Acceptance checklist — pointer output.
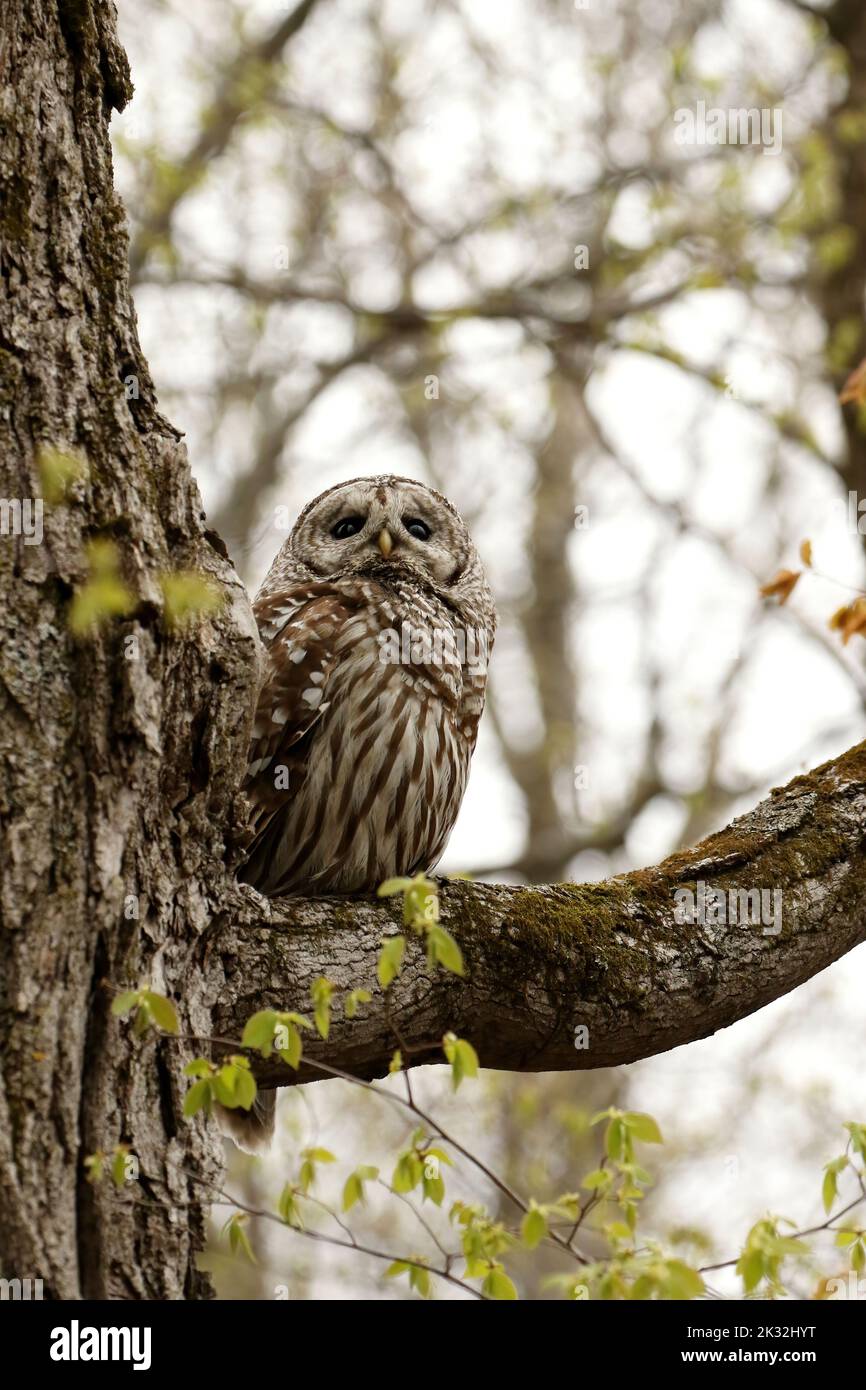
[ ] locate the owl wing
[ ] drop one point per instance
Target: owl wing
(476, 658)
(301, 628)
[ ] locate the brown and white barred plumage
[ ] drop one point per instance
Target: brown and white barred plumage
(358, 762)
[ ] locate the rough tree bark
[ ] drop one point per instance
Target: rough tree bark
(117, 773)
(120, 762)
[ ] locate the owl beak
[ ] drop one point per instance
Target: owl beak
(386, 544)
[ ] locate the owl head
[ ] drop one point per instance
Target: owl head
(389, 528)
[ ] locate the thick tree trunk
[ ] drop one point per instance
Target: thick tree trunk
(120, 755)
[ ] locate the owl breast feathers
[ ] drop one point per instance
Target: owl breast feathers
(378, 625)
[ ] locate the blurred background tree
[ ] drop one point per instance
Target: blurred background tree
(461, 241)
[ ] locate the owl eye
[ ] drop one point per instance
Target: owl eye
(419, 529)
(349, 526)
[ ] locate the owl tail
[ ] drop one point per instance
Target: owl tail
(252, 1130)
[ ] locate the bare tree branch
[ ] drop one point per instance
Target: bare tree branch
(231, 103)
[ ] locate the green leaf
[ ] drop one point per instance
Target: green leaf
(95, 1167)
(118, 1165)
(420, 900)
(124, 1002)
(440, 1154)
(419, 1279)
(442, 948)
(642, 1127)
(198, 1097)
(188, 595)
(58, 470)
(615, 1139)
(163, 1011)
(288, 1208)
(750, 1268)
(224, 1083)
(567, 1206)
(230, 1086)
(534, 1228)
(354, 1189)
(353, 999)
(498, 1285)
(198, 1067)
(603, 1115)
(408, 1173)
(308, 1168)
(259, 1031)
(858, 1137)
(239, 1241)
(462, 1056)
(787, 1245)
(419, 1276)
(245, 1090)
(299, 1020)
(830, 1185)
(390, 959)
(103, 595)
(322, 991)
(142, 1019)
(291, 1053)
(320, 1155)
(433, 1186)
(618, 1230)
(846, 1238)
(392, 886)
(682, 1282)
(420, 904)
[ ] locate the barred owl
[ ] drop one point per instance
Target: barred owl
(378, 624)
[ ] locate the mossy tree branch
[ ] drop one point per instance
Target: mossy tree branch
(541, 961)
